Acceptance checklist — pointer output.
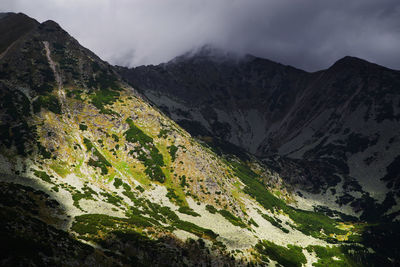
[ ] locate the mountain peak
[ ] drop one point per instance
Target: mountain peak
(13, 26)
(51, 25)
(351, 62)
(207, 53)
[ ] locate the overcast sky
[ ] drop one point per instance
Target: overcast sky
(307, 34)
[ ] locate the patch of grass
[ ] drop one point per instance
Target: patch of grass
(311, 223)
(331, 256)
(60, 168)
(290, 256)
(93, 223)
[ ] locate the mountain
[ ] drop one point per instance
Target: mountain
(332, 133)
(93, 174)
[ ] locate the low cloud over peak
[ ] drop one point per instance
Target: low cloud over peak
(306, 34)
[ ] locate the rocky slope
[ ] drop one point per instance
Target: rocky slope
(91, 174)
(334, 132)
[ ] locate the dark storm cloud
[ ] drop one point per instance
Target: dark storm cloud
(304, 33)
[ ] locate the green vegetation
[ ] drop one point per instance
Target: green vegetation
(93, 223)
(189, 211)
(275, 222)
(331, 256)
(75, 94)
(139, 188)
(117, 182)
(49, 102)
(127, 187)
(308, 222)
(107, 92)
(134, 134)
(158, 212)
(166, 215)
(163, 133)
(88, 193)
(251, 221)
(183, 181)
(112, 198)
(173, 196)
(101, 161)
(255, 188)
(195, 229)
(82, 127)
(115, 137)
(43, 175)
(292, 256)
(172, 151)
(152, 162)
(211, 209)
(232, 219)
(43, 151)
(60, 168)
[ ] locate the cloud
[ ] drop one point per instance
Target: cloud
(308, 34)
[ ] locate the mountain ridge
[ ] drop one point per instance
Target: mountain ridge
(91, 173)
(288, 113)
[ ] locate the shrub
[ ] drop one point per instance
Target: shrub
(211, 209)
(189, 211)
(115, 137)
(172, 151)
(183, 181)
(195, 229)
(117, 182)
(43, 175)
(232, 219)
(82, 127)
